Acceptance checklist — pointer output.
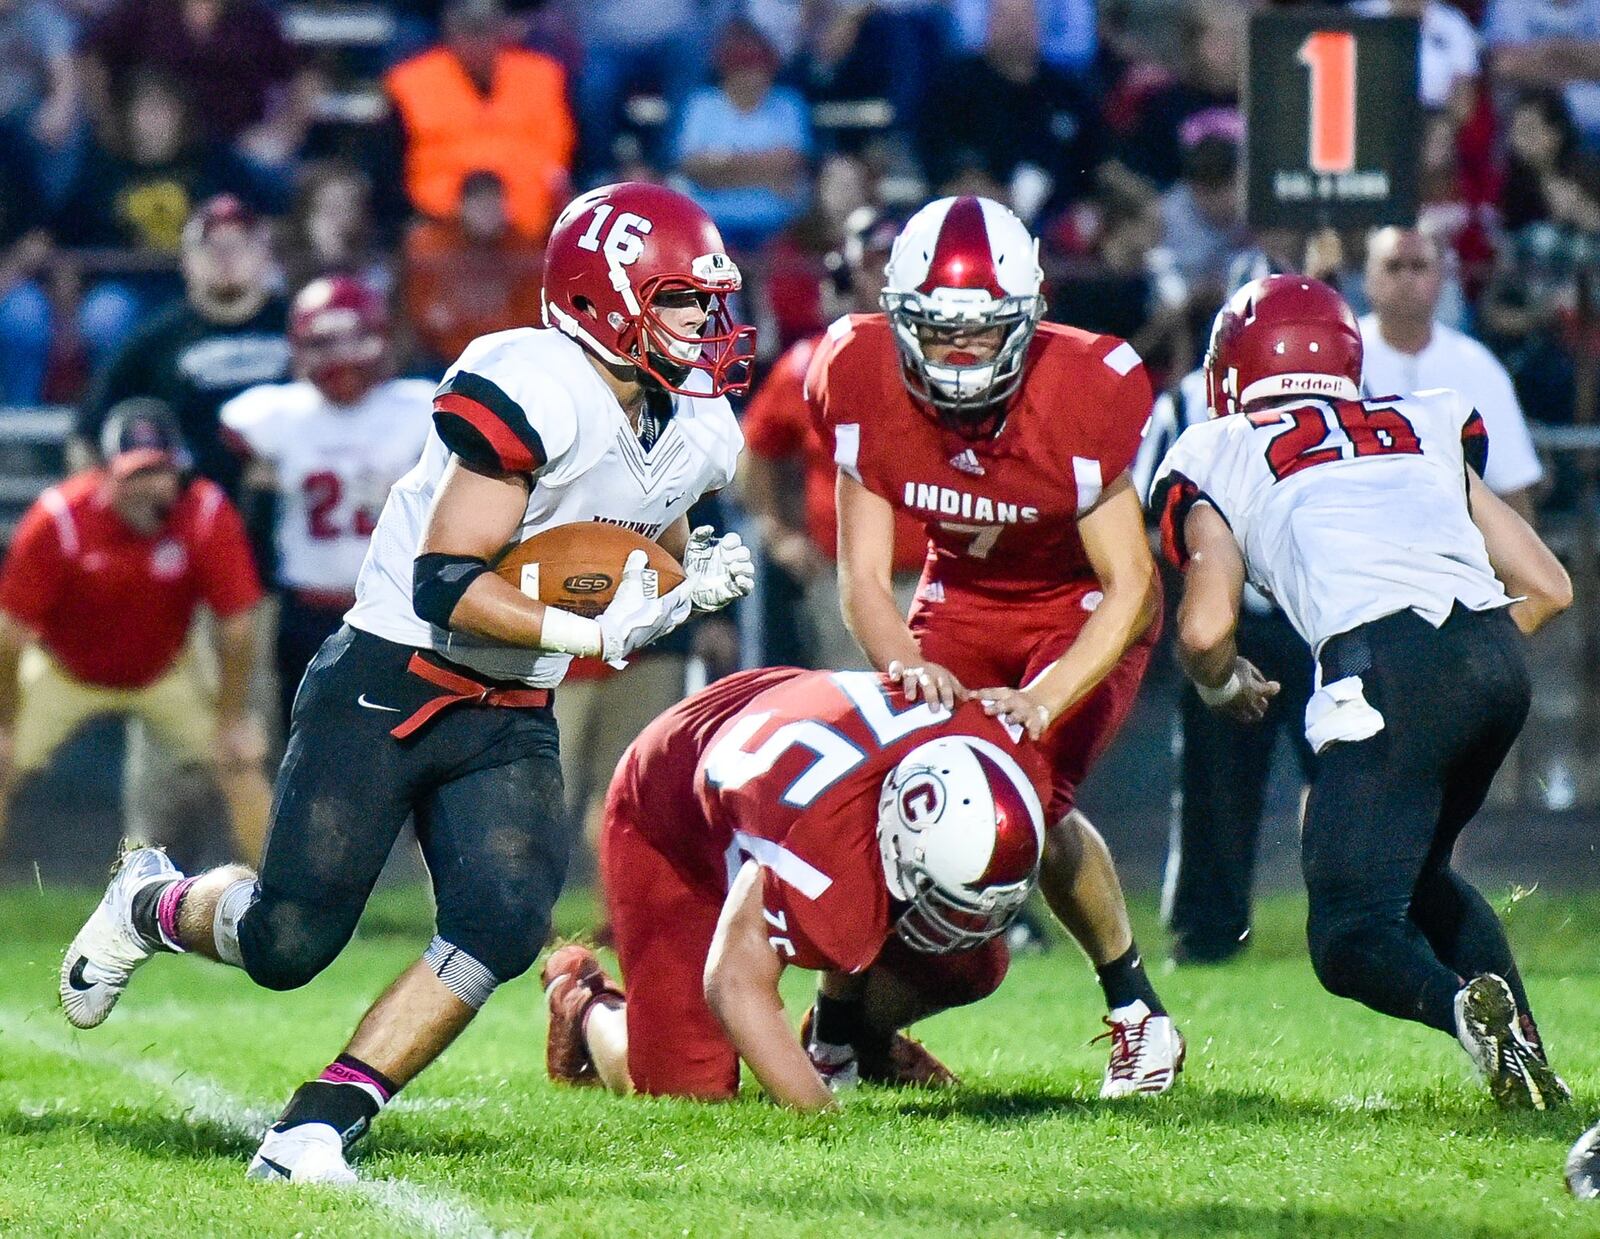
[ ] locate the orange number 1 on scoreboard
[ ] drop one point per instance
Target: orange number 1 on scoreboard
(1331, 57)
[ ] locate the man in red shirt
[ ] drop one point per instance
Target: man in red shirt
(97, 596)
(807, 818)
(1010, 441)
(785, 448)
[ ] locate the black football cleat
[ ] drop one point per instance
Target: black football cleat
(1583, 1165)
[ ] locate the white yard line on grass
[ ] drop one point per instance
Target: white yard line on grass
(205, 1100)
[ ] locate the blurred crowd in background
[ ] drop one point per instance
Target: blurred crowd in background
(426, 148)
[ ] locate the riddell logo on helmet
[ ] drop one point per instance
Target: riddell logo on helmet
(1311, 383)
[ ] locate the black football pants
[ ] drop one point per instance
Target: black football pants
(1390, 924)
(483, 783)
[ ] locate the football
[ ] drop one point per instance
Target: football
(577, 567)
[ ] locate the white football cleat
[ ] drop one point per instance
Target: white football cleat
(836, 1064)
(1583, 1165)
(306, 1153)
(1146, 1052)
(1518, 1076)
(108, 948)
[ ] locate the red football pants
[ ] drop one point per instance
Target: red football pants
(988, 642)
(663, 924)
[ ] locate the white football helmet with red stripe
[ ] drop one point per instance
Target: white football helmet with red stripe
(960, 269)
(960, 831)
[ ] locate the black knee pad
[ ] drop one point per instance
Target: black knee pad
(285, 942)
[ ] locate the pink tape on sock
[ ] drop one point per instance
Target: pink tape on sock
(167, 908)
(340, 1073)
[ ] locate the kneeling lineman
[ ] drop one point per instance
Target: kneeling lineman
(818, 819)
(1369, 523)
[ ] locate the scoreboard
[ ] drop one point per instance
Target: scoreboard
(1333, 123)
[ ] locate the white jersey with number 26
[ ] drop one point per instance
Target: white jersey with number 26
(1345, 511)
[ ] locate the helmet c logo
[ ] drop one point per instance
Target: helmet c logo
(922, 800)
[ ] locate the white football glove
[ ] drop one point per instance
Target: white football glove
(636, 615)
(719, 569)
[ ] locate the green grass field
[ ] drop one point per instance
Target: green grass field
(1298, 1114)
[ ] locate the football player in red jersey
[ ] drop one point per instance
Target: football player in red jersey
(811, 818)
(1010, 439)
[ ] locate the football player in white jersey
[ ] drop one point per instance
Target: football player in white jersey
(323, 452)
(433, 699)
(1369, 524)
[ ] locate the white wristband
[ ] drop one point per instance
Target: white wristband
(1222, 694)
(565, 633)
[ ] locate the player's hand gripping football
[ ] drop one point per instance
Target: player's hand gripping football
(720, 570)
(936, 685)
(636, 615)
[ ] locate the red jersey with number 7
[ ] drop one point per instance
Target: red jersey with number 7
(1001, 513)
(1345, 510)
(784, 767)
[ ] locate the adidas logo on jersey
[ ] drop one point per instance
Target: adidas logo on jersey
(967, 461)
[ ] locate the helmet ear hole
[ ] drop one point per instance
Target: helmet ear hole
(585, 307)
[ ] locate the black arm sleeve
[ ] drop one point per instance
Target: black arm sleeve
(437, 583)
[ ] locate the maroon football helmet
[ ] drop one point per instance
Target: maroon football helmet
(339, 330)
(615, 254)
(1285, 335)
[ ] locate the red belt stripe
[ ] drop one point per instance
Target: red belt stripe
(462, 690)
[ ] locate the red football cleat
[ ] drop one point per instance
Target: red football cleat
(905, 1061)
(573, 982)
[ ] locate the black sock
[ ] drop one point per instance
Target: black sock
(837, 1021)
(347, 1109)
(143, 913)
(1124, 981)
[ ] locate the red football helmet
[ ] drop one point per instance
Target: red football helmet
(614, 254)
(1285, 335)
(339, 330)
